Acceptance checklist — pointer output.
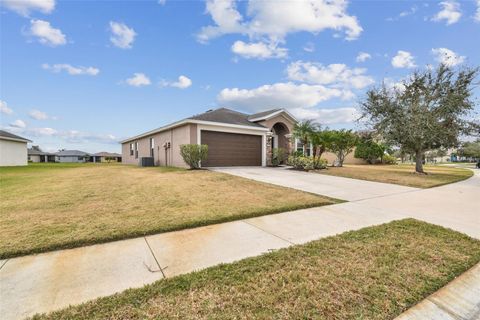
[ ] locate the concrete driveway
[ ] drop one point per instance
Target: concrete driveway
(335, 187)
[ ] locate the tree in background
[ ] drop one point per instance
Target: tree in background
(341, 143)
(470, 149)
(303, 131)
(429, 113)
(368, 149)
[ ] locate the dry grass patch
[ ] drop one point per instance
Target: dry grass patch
(373, 273)
(401, 174)
(51, 206)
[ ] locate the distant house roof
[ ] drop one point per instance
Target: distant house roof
(13, 137)
(225, 115)
(107, 154)
(71, 153)
(36, 151)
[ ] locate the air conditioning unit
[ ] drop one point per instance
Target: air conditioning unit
(146, 162)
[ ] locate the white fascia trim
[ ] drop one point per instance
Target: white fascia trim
(15, 139)
(228, 125)
(187, 121)
(271, 115)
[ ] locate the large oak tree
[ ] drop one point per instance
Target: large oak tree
(432, 110)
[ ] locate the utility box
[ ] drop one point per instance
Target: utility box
(146, 162)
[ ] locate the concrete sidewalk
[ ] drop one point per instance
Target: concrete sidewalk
(50, 281)
(459, 300)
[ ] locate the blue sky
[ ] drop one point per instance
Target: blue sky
(85, 74)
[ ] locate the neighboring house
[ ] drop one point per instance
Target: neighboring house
(13, 149)
(71, 156)
(107, 157)
(35, 154)
(233, 138)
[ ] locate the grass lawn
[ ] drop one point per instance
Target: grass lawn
(373, 273)
(50, 206)
(401, 174)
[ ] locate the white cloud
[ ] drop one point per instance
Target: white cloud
(70, 136)
(403, 59)
(286, 95)
(327, 116)
(447, 57)
(4, 108)
(38, 115)
(162, 2)
(91, 71)
(46, 33)
(226, 17)
(122, 35)
(394, 84)
(477, 14)
(18, 124)
(405, 13)
(258, 50)
(24, 7)
(450, 12)
(271, 21)
(183, 82)
(336, 74)
(138, 80)
(363, 56)
(309, 47)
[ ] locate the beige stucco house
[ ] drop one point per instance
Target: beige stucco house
(233, 139)
(13, 149)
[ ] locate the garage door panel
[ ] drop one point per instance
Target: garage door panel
(232, 149)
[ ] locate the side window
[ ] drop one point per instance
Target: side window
(136, 150)
(131, 149)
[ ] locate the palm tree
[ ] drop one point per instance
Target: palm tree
(303, 131)
(320, 140)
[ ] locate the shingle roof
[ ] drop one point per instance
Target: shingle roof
(262, 114)
(107, 154)
(225, 115)
(37, 152)
(8, 136)
(73, 153)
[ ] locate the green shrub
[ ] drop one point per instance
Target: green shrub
(388, 159)
(278, 156)
(306, 163)
(194, 154)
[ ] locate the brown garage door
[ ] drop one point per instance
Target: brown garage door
(232, 149)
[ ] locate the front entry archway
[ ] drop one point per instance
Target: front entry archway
(279, 138)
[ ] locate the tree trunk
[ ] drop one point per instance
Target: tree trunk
(419, 162)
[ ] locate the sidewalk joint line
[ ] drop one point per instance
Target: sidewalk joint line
(443, 308)
(3, 264)
(292, 243)
(153, 254)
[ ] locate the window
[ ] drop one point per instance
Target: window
(136, 150)
(152, 147)
(131, 149)
(80, 158)
(300, 148)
